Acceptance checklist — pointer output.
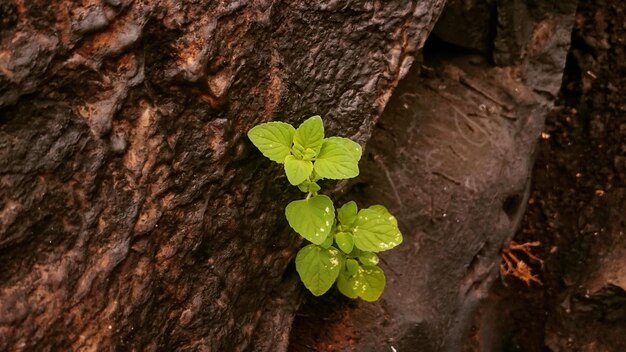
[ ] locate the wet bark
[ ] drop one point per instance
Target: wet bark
(134, 213)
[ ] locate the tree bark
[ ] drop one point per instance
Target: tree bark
(134, 213)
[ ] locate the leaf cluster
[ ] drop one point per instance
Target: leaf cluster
(344, 243)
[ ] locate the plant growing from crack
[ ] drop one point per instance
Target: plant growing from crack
(343, 246)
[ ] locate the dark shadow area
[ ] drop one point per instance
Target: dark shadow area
(577, 207)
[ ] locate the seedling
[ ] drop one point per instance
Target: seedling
(343, 245)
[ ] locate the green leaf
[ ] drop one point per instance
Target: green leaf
(335, 161)
(368, 283)
(314, 187)
(309, 187)
(356, 252)
(315, 177)
(368, 258)
(312, 218)
(309, 154)
(310, 134)
(348, 284)
(373, 279)
(327, 242)
(318, 267)
(384, 212)
(297, 170)
(374, 232)
(352, 266)
(347, 213)
(298, 151)
(353, 147)
(344, 241)
(274, 139)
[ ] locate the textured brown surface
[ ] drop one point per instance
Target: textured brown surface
(451, 157)
(577, 207)
(133, 211)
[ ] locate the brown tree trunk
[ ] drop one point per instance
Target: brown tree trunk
(134, 214)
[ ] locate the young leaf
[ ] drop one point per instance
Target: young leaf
(327, 242)
(368, 283)
(309, 154)
(297, 153)
(374, 232)
(344, 241)
(318, 267)
(274, 139)
(384, 212)
(347, 213)
(314, 176)
(304, 187)
(368, 258)
(312, 218)
(352, 266)
(355, 251)
(297, 170)
(353, 147)
(309, 187)
(310, 134)
(373, 280)
(314, 187)
(349, 284)
(335, 161)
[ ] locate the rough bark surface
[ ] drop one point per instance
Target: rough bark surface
(134, 214)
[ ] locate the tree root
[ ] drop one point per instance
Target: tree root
(512, 265)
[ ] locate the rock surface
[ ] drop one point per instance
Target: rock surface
(133, 212)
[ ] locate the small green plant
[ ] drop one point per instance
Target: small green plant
(342, 249)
